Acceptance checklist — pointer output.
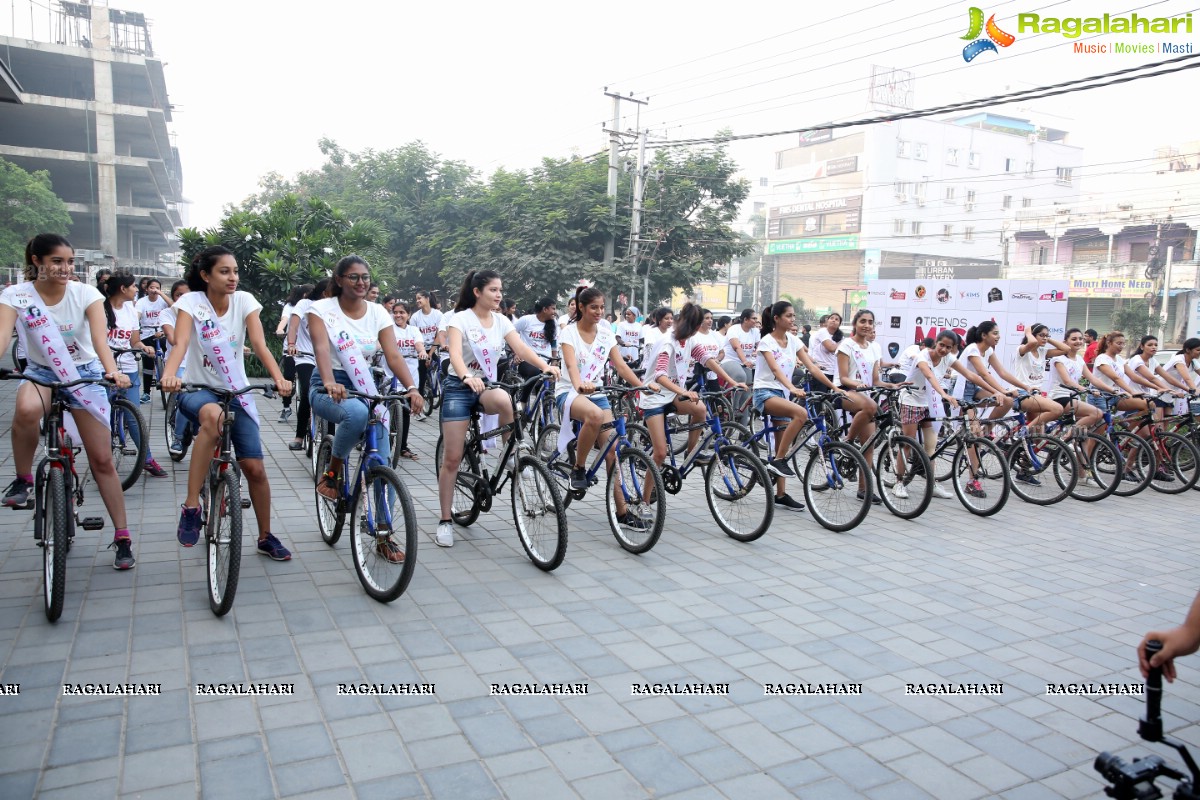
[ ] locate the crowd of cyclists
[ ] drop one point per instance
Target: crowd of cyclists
(750, 401)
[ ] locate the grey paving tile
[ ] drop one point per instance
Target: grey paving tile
(302, 777)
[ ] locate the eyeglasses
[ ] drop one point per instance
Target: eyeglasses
(357, 277)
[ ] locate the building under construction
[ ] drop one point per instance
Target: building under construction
(90, 106)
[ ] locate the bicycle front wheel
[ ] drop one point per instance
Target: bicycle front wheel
(1098, 475)
(128, 450)
(1178, 464)
(1136, 462)
(981, 477)
(539, 514)
(52, 508)
(395, 410)
(330, 514)
(224, 537)
(641, 486)
(831, 485)
(383, 537)
(1041, 470)
(902, 473)
(739, 493)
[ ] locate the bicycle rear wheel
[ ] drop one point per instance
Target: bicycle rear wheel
(128, 450)
(1095, 482)
(982, 485)
(908, 495)
(52, 507)
(383, 527)
(331, 515)
(641, 485)
(831, 475)
(1137, 463)
(1041, 470)
(465, 506)
(223, 534)
(395, 410)
(739, 493)
(539, 514)
(1178, 464)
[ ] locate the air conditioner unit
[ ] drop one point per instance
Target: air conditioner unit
(903, 197)
(920, 199)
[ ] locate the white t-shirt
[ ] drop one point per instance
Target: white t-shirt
(973, 350)
(876, 351)
(427, 324)
(631, 335)
(533, 333)
(747, 341)
(304, 348)
(70, 314)
(443, 324)
(675, 360)
(167, 317)
(589, 359)
(149, 312)
(713, 343)
(564, 320)
(825, 359)
(1117, 364)
(862, 360)
(1031, 367)
(197, 368)
(652, 337)
(1074, 370)
(126, 318)
(406, 342)
(285, 314)
(364, 331)
(479, 342)
(1172, 364)
(921, 393)
(785, 359)
(907, 359)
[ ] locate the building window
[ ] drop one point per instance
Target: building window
(949, 194)
(764, 182)
(1063, 176)
(921, 151)
(898, 227)
(902, 148)
(1007, 201)
(952, 155)
(947, 232)
(759, 207)
(919, 191)
(1009, 163)
(1139, 251)
(1026, 202)
(916, 227)
(970, 200)
(974, 159)
(902, 191)
(969, 234)
(1028, 169)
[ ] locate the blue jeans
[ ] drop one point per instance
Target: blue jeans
(350, 415)
(135, 398)
(246, 440)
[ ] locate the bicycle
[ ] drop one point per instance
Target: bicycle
(636, 476)
(432, 393)
(534, 493)
(377, 501)
(221, 505)
(1090, 452)
(902, 469)
(56, 482)
(1178, 460)
(977, 465)
(1136, 456)
(177, 447)
(129, 451)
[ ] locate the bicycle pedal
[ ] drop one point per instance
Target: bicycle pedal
(245, 502)
(92, 523)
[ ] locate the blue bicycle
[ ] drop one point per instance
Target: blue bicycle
(383, 525)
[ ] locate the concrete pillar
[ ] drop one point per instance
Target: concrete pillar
(106, 137)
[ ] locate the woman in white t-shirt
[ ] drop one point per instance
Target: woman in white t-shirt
(178, 290)
(213, 280)
(858, 369)
(655, 332)
(1109, 366)
(412, 349)
(360, 328)
(426, 319)
(1066, 372)
(149, 308)
(475, 339)
(540, 330)
(1179, 372)
(979, 356)
(778, 352)
(824, 344)
(298, 344)
(569, 317)
(713, 344)
(78, 311)
(123, 334)
(288, 364)
(1030, 366)
(629, 336)
(741, 352)
(587, 346)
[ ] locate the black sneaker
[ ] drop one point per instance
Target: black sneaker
(874, 498)
(579, 478)
(632, 521)
(780, 468)
(124, 558)
(17, 494)
(785, 501)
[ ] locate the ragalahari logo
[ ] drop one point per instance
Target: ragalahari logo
(995, 36)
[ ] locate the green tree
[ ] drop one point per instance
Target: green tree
(28, 206)
(1136, 319)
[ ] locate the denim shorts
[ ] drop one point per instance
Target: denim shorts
(458, 401)
(246, 441)
(89, 370)
(969, 392)
(597, 399)
(762, 395)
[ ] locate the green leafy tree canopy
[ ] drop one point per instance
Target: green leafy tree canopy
(28, 206)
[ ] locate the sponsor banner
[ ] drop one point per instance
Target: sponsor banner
(815, 245)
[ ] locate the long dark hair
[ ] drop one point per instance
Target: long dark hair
(112, 285)
(1149, 337)
(41, 246)
(1111, 336)
(433, 301)
(204, 261)
(175, 287)
(335, 289)
(550, 326)
(688, 322)
(318, 290)
(976, 333)
(1190, 344)
(583, 296)
(658, 314)
(297, 294)
(476, 279)
(770, 313)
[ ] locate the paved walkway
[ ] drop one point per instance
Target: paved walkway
(1028, 597)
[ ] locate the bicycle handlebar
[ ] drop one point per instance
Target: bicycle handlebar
(197, 387)
(13, 375)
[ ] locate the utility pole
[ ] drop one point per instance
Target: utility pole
(635, 227)
(614, 143)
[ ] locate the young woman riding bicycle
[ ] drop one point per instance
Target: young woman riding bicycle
(123, 333)
(299, 345)
(412, 349)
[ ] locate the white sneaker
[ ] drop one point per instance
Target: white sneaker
(1088, 483)
(939, 491)
(445, 534)
(899, 491)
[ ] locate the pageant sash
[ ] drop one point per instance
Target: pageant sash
(590, 368)
(350, 356)
(223, 358)
(865, 373)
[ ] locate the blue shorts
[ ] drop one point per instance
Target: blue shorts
(89, 370)
(762, 395)
(597, 399)
(458, 401)
(969, 392)
(246, 441)
(647, 413)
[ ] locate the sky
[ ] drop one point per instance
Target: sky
(256, 84)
